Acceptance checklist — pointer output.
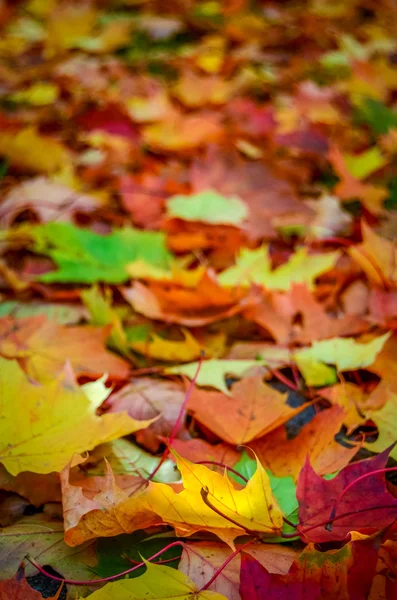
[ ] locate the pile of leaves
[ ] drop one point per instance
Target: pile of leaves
(198, 275)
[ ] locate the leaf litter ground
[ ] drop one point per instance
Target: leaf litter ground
(198, 279)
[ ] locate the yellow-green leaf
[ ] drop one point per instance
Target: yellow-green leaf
(345, 353)
(254, 266)
(208, 207)
(213, 372)
(157, 583)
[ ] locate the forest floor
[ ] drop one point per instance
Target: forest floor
(198, 280)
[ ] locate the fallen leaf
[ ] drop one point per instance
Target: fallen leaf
(89, 513)
(351, 187)
(285, 456)
(145, 398)
(83, 256)
(368, 504)
(49, 156)
(345, 353)
(56, 420)
(213, 372)
(200, 560)
(38, 489)
(158, 582)
(253, 507)
(49, 200)
(37, 94)
(42, 347)
(254, 409)
(384, 419)
(314, 574)
(377, 256)
(205, 304)
(164, 349)
(352, 399)
(183, 132)
(253, 266)
(18, 588)
(208, 207)
(43, 539)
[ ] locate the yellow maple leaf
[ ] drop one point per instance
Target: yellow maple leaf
(30, 150)
(254, 266)
(157, 583)
(42, 426)
(251, 508)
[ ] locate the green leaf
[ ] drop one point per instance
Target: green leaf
(254, 266)
(208, 207)
(213, 372)
(113, 553)
(379, 117)
(83, 256)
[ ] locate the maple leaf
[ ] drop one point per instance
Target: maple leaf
(209, 207)
(200, 560)
(158, 582)
(265, 191)
(322, 500)
(377, 256)
(42, 348)
(316, 439)
(254, 507)
(213, 372)
(83, 256)
(38, 489)
(49, 156)
(384, 418)
(314, 574)
(56, 419)
(254, 266)
(49, 200)
(253, 408)
(277, 313)
(18, 588)
(145, 398)
(42, 537)
(183, 132)
(205, 304)
(351, 170)
(345, 353)
(101, 508)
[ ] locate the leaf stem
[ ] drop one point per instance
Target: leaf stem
(104, 579)
(352, 483)
(227, 561)
(178, 421)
